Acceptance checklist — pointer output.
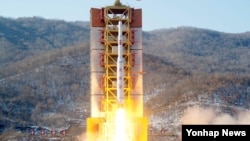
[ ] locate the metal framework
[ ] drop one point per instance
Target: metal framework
(104, 54)
(111, 17)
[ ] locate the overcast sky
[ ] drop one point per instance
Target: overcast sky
(231, 16)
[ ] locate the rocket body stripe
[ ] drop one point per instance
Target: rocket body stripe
(120, 67)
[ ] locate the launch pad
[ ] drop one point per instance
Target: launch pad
(116, 81)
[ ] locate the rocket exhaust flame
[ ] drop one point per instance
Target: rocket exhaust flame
(120, 67)
(120, 126)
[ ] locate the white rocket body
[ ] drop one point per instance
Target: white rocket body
(120, 67)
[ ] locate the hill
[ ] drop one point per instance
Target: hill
(23, 37)
(200, 49)
(44, 73)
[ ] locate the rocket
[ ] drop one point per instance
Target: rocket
(120, 67)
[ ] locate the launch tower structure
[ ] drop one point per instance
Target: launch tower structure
(104, 97)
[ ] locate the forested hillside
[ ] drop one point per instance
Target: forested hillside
(188, 47)
(200, 49)
(44, 72)
(23, 37)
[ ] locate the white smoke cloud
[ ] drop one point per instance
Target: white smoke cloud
(224, 119)
(199, 115)
(244, 117)
(82, 137)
